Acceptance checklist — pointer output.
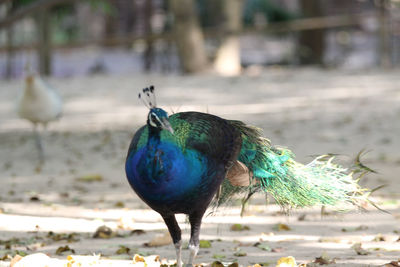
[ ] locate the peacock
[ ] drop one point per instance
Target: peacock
(184, 162)
(38, 103)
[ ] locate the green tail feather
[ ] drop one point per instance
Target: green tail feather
(292, 184)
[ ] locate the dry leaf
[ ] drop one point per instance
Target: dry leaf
(205, 244)
(34, 198)
(137, 232)
(359, 250)
(240, 253)
(123, 250)
(302, 217)
(160, 240)
(218, 256)
(379, 238)
(286, 262)
(137, 258)
(119, 204)
(324, 259)
(239, 227)
(61, 249)
(282, 227)
(104, 232)
(217, 264)
(6, 257)
(263, 246)
(90, 178)
(62, 236)
(233, 264)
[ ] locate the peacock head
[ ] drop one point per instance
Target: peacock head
(157, 117)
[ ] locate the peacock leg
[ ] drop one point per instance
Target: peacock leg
(175, 232)
(195, 223)
(38, 141)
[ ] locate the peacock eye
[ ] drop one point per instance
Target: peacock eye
(153, 120)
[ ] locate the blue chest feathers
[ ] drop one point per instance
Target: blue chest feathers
(161, 173)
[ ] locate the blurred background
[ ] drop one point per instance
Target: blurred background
(317, 76)
(65, 37)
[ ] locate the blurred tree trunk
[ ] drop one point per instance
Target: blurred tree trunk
(9, 45)
(227, 60)
(384, 32)
(44, 40)
(311, 42)
(188, 35)
(148, 53)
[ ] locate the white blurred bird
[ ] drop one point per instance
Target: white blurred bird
(39, 104)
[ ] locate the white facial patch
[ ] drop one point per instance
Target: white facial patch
(152, 123)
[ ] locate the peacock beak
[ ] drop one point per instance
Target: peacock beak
(166, 125)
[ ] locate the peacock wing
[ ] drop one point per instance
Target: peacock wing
(211, 135)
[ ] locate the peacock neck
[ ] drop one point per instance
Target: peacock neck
(154, 136)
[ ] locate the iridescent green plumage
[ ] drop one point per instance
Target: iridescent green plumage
(292, 184)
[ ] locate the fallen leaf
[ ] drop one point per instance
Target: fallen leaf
(160, 240)
(240, 253)
(137, 258)
(239, 227)
(61, 249)
(34, 198)
(71, 237)
(362, 228)
(324, 259)
(302, 217)
(263, 246)
(359, 250)
(217, 264)
(286, 262)
(123, 250)
(137, 232)
(281, 227)
(104, 232)
(218, 256)
(90, 178)
(21, 253)
(205, 244)
(6, 257)
(119, 204)
(10, 242)
(233, 264)
(379, 238)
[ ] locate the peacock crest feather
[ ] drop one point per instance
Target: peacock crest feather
(148, 97)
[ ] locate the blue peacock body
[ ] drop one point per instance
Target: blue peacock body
(179, 163)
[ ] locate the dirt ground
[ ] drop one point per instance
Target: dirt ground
(82, 185)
